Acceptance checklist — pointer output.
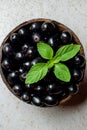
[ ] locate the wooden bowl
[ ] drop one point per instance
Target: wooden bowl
(60, 26)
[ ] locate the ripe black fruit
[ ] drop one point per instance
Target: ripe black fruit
(27, 65)
(36, 60)
(12, 77)
(19, 56)
(50, 100)
(23, 32)
(64, 94)
(39, 89)
(54, 89)
(6, 64)
(48, 27)
(77, 75)
(73, 88)
(25, 47)
(14, 37)
(21, 70)
(36, 101)
(25, 97)
(54, 41)
(36, 37)
(35, 27)
(79, 60)
(30, 52)
(29, 87)
(17, 89)
(7, 49)
(66, 37)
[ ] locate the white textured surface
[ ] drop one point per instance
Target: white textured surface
(16, 115)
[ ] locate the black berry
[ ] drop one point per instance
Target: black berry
(6, 64)
(36, 101)
(25, 47)
(30, 52)
(36, 60)
(35, 27)
(23, 32)
(17, 89)
(36, 37)
(27, 65)
(14, 37)
(25, 97)
(54, 89)
(7, 49)
(50, 100)
(77, 75)
(66, 37)
(12, 77)
(21, 70)
(79, 60)
(39, 89)
(19, 56)
(54, 41)
(48, 27)
(73, 89)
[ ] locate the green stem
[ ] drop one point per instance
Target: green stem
(53, 61)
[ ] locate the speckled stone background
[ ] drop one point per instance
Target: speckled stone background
(17, 115)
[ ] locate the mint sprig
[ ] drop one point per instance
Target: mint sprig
(61, 71)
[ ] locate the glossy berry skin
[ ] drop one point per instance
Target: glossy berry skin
(73, 89)
(17, 89)
(36, 101)
(27, 65)
(35, 27)
(48, 27)
(64, 94)
(54, 41)
(54, 89)
(7, 49)
(30, 53)
(28, 86)
(12, 77)
(25, 47)
(36, 37)
(66, 37)
(39, 90)
(6, 64)
(50, 100)
(79, 61)
(36, 60)
(19, 56)
(20, 70)
(25, 97)
(77, 75)
(23, 32)
(14, 37)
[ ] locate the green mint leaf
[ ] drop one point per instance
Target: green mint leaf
(67, 52)
(62, 72)
(45, 50)
(36, 73)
